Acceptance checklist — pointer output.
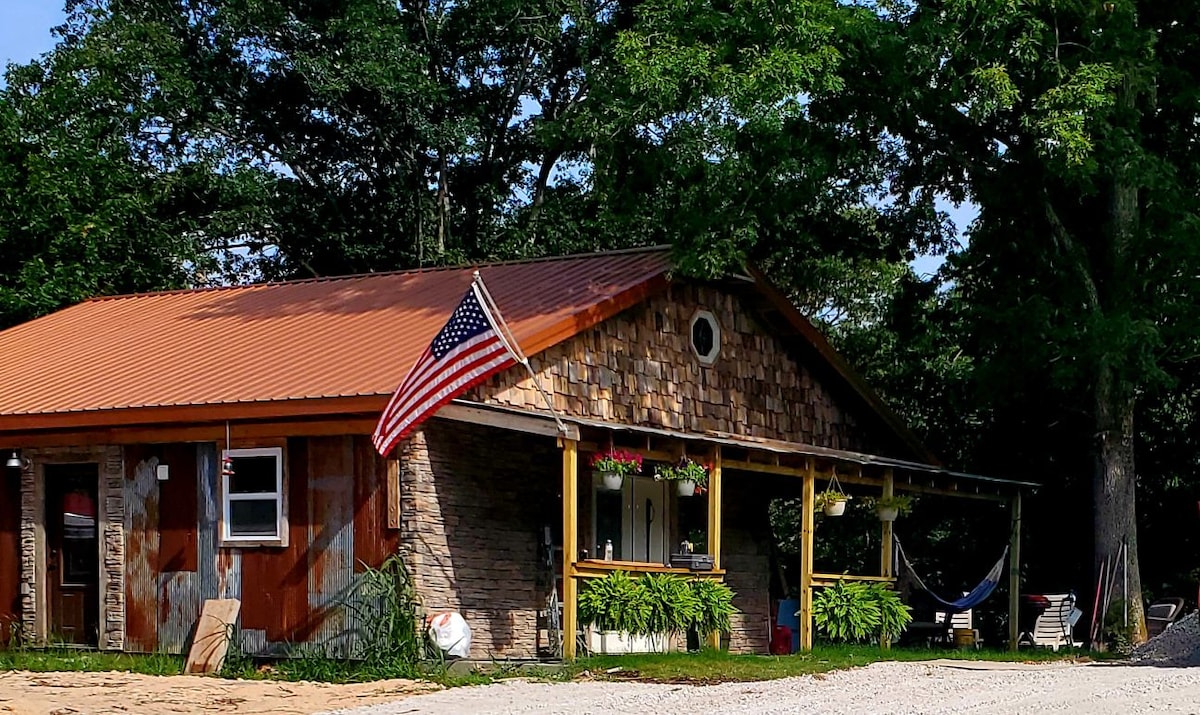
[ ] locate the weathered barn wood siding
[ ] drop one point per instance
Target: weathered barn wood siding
(336, 515)
(10, 556)
(639, 368)
(474, 500)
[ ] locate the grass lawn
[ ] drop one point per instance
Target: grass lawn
(718, 666)
(66, 659)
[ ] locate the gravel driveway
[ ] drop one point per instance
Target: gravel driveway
(935, 687)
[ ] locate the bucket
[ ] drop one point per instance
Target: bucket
(964, 638)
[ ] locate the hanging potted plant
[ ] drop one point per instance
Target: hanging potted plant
(689, 475)
(614, 464)
(888, 508)
(833, 500)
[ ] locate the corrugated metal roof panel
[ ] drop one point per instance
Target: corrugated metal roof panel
(337, 337)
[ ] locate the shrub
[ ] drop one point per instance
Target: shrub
(655, 604)
(715, 603)
(894, 616)
(614, 603)
(853, 612)
(846, 612)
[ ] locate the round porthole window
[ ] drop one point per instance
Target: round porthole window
(706, 337)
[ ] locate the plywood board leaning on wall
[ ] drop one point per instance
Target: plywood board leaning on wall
(211, 643)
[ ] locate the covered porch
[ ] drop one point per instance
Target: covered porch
(740, 464)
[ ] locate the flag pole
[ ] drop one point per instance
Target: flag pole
(510, 341)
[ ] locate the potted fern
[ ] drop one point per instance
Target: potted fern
(832, 502)
(688, 475)
(888, 508)
(613, 466)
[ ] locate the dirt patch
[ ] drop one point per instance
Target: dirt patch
(125, 693)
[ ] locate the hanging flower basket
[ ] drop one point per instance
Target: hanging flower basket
(613, 465)
(689, 476)
(890, 508)
(833, 503)
(833, 500)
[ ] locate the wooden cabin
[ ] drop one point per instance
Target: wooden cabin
(173, 447)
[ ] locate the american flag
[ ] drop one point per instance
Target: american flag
(465, 352)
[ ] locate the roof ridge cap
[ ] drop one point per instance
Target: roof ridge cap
(379, 274)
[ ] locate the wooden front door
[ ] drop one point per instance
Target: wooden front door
(73, 553)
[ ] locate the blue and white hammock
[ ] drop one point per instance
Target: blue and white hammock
(975, 597)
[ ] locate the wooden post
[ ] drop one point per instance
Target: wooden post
(885, 546)
(806, 556)
(1014, 574)
(714, 526)
(570, 505)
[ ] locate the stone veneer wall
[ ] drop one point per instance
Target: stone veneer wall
(638, 368)
(473, 502)
(746, 557)
(110, 493)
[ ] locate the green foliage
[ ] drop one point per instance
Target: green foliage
(894, 615)
(856, 612)
(674, 606)
(715, 606)
(686, 468)
(389, 643)
(828, 498)
(655, 604)
(615, 602)
(846, 612)
(903, 503)
(64, 659)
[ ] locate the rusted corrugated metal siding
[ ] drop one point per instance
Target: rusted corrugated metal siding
(292, 595)
(141, 549)
(278, 603)
(331, 539)
(10, 556)
(373, 541)
(177, 545)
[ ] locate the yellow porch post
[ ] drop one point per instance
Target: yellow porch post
(885, 549)
(570, 504)
(806, 556)
(714, 526)
(1014, 574)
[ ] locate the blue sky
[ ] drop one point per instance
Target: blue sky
(25, 28)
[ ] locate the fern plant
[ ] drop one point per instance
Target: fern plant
(846, 612)
(715, 606)
(894, 615)
(673, 604)
(616, 602)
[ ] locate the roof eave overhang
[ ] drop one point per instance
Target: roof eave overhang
(14, 425)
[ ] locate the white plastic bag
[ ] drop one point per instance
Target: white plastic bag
(450, 632)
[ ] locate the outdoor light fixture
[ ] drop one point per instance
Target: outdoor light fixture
(16, 461)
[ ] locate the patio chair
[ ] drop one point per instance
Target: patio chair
(963, 620)
(1161, 614)
(1056, 625)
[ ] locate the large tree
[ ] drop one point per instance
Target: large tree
(1071, 125)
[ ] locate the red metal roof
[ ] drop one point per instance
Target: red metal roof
(322, 338)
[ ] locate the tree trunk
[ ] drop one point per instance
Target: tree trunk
(1114, 490)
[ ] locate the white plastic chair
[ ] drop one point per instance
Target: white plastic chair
(1056, 626)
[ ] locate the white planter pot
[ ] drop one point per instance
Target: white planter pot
(888, 513)
(612, 481)
(686, 487)
(836, 508)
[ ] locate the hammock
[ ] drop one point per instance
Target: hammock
(975, 597)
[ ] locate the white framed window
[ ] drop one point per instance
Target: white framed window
(705, 337)
(253, 508)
